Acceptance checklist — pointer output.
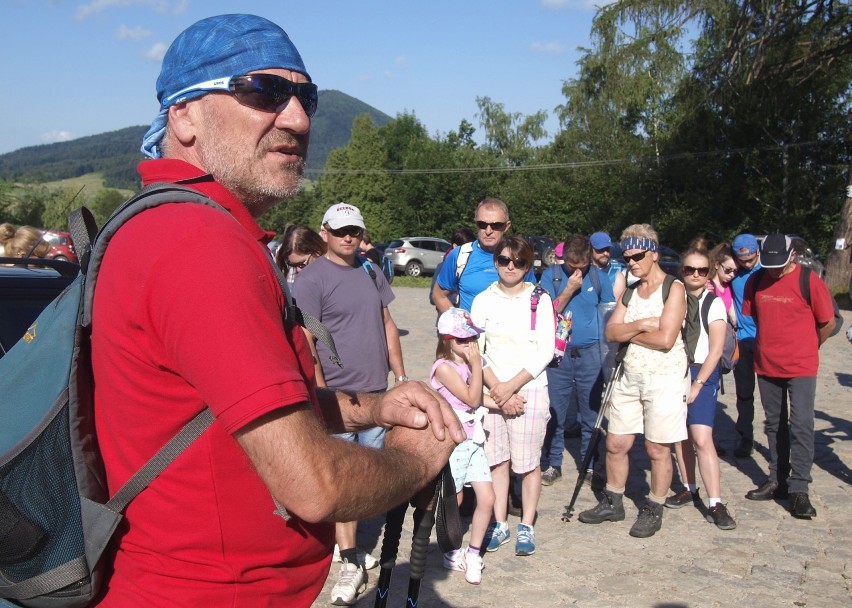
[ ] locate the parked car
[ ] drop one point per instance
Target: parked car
(543, 255)
(61, 247)
(25, 290)
(416, 255)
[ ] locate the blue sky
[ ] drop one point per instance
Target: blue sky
(82, 67)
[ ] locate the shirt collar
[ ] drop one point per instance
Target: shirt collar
(173, 170)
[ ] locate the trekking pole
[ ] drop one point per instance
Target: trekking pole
(424, 520)
(593, 442)
(390, 549)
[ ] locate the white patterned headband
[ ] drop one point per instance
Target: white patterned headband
(638, 242)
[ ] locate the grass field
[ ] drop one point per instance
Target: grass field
(90, 183)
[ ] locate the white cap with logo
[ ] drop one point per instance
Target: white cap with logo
(340, 215)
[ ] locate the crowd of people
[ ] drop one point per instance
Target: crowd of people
(250, 513)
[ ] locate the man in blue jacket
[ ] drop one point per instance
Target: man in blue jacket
(576, 286)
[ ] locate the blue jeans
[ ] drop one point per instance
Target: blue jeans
(371, 438)
(575, 386)
(790, 435)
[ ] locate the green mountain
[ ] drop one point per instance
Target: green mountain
(116, 154)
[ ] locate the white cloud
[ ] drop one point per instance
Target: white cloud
(550, 48)
(157, 52)
(135, 34)
(98, 6)
(51, 137)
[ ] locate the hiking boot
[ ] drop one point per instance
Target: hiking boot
(525, 545)
(719, 515)
(649, 521)
(473, 573)
(801, 506)
(454, 560)
(551, 475)
(496, 535)
(365, 559)
(744, 448)
(610, 508)
(682, 498)
(351, 582)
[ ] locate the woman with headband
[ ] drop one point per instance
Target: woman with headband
(649, 396)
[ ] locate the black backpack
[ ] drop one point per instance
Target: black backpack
(56, 518)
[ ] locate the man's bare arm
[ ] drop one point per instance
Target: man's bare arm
(441, 297)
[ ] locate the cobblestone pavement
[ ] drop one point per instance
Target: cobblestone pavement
(771, 559)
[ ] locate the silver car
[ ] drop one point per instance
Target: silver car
(416, 255)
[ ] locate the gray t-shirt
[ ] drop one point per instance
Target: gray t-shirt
(350, 305)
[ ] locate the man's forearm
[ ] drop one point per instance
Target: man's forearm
(347, 411)
(441, 297)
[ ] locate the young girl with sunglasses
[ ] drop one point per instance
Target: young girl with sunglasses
(723, 269)
(518, 351)
(701, 401)
(457, 375)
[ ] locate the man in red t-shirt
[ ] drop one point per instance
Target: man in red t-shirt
(786, 359)
(174, 330)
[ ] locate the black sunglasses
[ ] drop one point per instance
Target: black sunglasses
(690, 270)
(498, 226)
(636, 257)
(266, 92)
(354, 231)
(503, 262)
(302, 264)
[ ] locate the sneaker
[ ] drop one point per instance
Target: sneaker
(551, 475)
(719, 515)
(610, 508)
(473, 574)
(351, 582)
(365, 559)
(497, 534)
(525, 545)
(649, 521)
(682, 498)
(455, 560)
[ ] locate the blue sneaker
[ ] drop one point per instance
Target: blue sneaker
(498, 533)
(525, 545)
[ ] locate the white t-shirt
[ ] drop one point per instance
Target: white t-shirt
(716, 313)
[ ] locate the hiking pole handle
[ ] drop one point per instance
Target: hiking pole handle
(390, 549)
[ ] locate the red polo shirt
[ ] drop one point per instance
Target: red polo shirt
(188, 311)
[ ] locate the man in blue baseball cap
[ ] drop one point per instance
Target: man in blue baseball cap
(243, 516)
(746, 252)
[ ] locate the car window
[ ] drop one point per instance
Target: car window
(441, 246)
(419, 244)
(395, 244)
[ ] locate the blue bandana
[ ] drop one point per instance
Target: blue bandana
(638, 242)
(217, 47)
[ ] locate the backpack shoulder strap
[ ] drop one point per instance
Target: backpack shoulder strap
(705, 310)
(461, 261)
(595, 277)
(535, 298)
(805, 283)
(668, 281)
(367, 265)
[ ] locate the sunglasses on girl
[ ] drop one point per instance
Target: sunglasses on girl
(691, 270)
(354, 231)
(636, 257)
(498, 226)
(461, 340)
(266, 92)
(302, 264)
(503, 262)
(727, 270)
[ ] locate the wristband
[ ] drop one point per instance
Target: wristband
(402, 378)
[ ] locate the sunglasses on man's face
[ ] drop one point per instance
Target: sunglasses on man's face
(354, 231)
(266, 92)
(503, 262)
(496, 226)
(636, 257)
(702, 271)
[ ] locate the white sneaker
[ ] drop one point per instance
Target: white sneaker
(454, 560)
(473, 574)
(365, 559)
(350, 583)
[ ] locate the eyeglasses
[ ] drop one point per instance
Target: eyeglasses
(266, 92)
(302, 264)
(354, 231)
(604, 250)
(503, 262)
(691, 270)
(727, 270)
(465, 340)
(636, 257)
(498, 226)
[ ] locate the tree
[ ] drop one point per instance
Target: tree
(104, 203)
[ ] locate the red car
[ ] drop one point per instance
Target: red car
(61, 247)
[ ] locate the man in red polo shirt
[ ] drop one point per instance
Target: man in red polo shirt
(174, 330)
(786, 359)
